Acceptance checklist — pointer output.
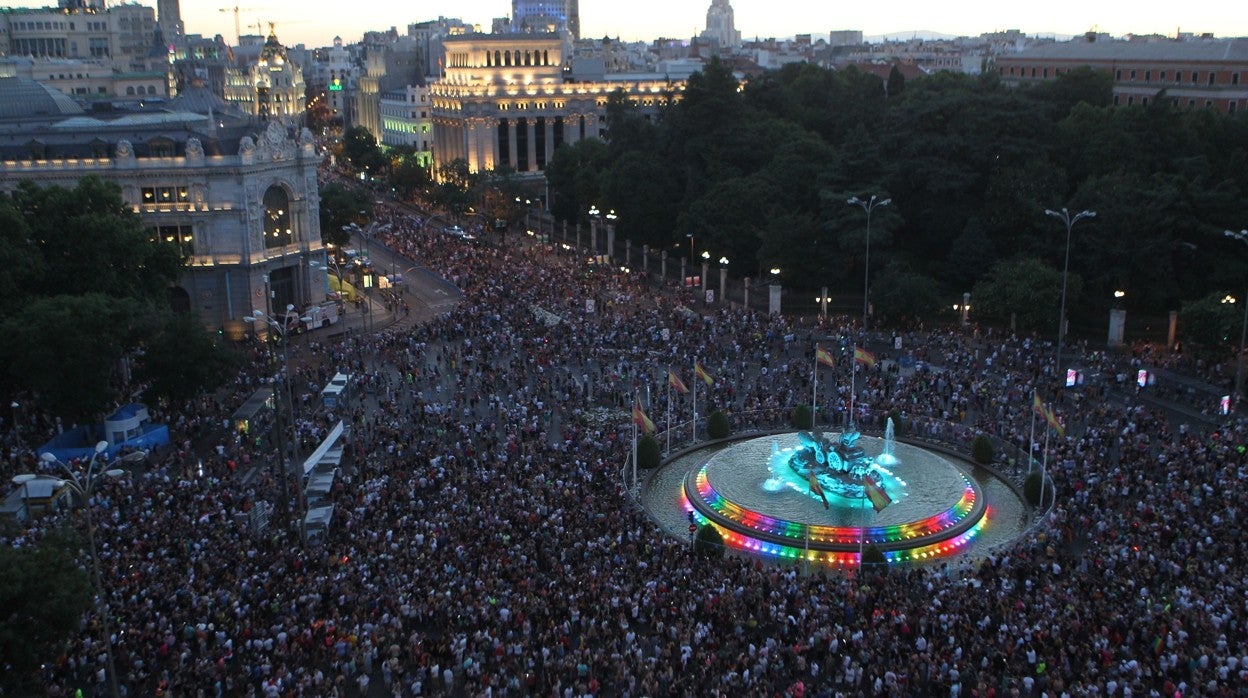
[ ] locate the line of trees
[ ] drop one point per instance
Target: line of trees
(760, 172)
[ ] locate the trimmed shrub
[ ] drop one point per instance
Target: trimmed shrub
(717, 426)
(801, 417)
(1031, 488)
(648, 453)
(899, 424)
(708, 543)
(873, 558)
(982, 450)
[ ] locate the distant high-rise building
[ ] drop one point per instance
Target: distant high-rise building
(169, 18)
(720, 27)
(546, 16)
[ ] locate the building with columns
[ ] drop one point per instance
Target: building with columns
(506, 100)
(237, 194)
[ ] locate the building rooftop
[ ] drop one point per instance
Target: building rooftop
(21, 98)
(1081, 49)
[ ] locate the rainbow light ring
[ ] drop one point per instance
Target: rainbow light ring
(941, 535)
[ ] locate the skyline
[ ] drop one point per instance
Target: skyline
(315, 23)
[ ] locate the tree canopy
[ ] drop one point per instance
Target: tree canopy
(759, 171)
(88, 288)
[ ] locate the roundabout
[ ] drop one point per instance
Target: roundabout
(824, 499)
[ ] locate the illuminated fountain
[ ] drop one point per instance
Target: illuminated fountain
(810, 496)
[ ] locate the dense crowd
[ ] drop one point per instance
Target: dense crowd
(483, 544)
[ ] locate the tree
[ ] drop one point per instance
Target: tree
(65, 349)
(1026, 289)
(873, 558)
(1213, 322)
(359, 147)
(649, 455)
(408, 173)
(897, 292)
(708, 542)
(90, 241)
(801, 417)
(717, 426)
(43, 595)
(181, 360)
(1031, 487)
(341, 206)
(896, 83)
(982, 449)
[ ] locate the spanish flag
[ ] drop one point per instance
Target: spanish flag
(879, 498)
(700, 372)
(1047, 414)
(816, 488)
(863, 356)
(824, 357)
(640, 419)
(675, 383)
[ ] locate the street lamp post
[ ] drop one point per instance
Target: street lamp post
(1241, 236)
(723, 280)
(611, 218)
(594, 215)
(279, 325)
(83, 487)
(706, 261)
(868, 206)
(1069, 221)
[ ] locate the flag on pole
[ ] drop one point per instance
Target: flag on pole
(879, 498)
(816, 488)
(824, 357)
(1048, 416)
(700, 371)
(863, 356)
(675, 383)
(640, 419)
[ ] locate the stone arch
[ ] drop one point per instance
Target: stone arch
(277, 217)
(179, 300)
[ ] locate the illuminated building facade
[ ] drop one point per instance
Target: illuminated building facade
(238, 195)
(272, 87)
(504, 101)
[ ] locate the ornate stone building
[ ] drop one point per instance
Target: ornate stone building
(237, 194)
(505, 100)
(272, 87)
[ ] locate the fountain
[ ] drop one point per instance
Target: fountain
(805, 495)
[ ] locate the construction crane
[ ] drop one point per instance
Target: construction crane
(238, 30)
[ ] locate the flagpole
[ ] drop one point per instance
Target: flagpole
(1031, 440)
(862, 521)
(814, 391)
(634, 446)
(669, 415)
(853, 378)
(693, 423)
(1044, 467)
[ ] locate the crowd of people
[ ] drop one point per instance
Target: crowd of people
(484, 544)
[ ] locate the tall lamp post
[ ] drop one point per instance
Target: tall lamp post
(279, 326)
(83, 487)
(1241, 236)
(867, 206)
(723, 280)
(594, 216)
(706, 261)
(1069, 221)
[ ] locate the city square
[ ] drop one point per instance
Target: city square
(485, 363)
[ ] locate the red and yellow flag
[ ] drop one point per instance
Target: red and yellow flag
(824, 357)
(700, 371)
(879, 498)
(816, 488)
(1048, 416)
(863, 356)
(640, 419)
(676, 383)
